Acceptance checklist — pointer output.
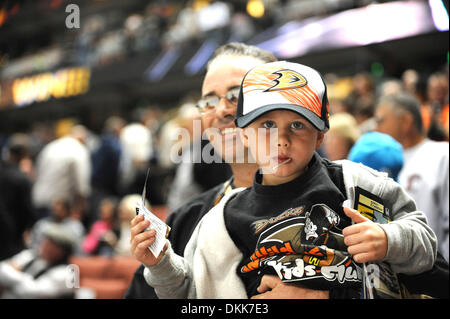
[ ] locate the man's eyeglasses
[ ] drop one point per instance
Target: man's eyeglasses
(209, 103)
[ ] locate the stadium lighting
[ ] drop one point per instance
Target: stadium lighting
(255, 8)
(439, 14)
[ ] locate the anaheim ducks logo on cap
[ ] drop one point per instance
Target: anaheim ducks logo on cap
(283, 85)
(287, 79)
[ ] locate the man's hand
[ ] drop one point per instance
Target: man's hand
(271, 287)
(140, 240)
(366, 240)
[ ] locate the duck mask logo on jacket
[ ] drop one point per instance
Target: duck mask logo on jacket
(309, 246)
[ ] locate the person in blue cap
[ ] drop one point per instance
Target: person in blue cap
(380, 152)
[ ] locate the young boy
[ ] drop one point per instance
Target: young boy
(290, 222)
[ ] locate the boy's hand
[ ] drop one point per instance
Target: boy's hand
(140, 240)
(366, 240)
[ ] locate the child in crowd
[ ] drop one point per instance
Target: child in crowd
(102, 235)
(291, 222)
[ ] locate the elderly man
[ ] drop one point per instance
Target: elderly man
(41, 274)
(426, 163)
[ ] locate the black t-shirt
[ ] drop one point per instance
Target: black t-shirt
(294, 230)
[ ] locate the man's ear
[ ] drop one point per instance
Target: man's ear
(320, 138)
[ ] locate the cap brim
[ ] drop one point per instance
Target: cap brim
(246, 119)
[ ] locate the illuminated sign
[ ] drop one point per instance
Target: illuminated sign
(41, 87)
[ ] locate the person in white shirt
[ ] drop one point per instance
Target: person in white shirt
(63, 170)
(137, 150)
(425, 173)
(42, 274)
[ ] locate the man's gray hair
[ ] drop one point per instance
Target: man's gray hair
(241, 49)
(405, 102)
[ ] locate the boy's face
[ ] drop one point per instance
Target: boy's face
(297, 139)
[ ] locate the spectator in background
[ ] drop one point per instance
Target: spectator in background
(167, 138)
(63, 170)
(363, 89)
(184, 186)
(103, 233)
(213, 18)
(131, 30)
(183, 29)
(411, 83)
(105, 165)
(150, 31)
(110, 47)
(136, 141)
(42, 273)
(170, 140)
(435, 113)
(106, 158)
(41, 134)
(361, 101)
(338, 89)
(193, 176)
(364, 110)
(425, 174)
(341, 136)
(16, 211)
(126, 212)
(60, 215)
(86, 43)
(380, 152)
(391, 87)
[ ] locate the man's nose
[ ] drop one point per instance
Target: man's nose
(225, 109)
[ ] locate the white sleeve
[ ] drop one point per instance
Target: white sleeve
(50, 285)
(8, 273)
(171, 276)
(9, 276)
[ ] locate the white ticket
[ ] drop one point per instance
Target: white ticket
(162, 230)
